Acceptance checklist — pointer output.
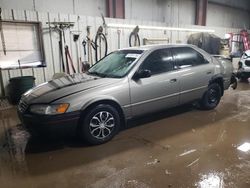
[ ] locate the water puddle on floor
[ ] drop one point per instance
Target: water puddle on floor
(13, 144)
(212, 180)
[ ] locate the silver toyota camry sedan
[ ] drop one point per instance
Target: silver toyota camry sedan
(127, 83)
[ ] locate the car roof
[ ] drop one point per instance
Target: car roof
(157, 46)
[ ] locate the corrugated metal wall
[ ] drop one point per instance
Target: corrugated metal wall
(168, 11)
(222, 13)
(86, 7)
(51, 38)
(223, 16)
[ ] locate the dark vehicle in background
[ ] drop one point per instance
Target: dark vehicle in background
(127, 83)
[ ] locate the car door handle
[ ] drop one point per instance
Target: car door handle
(173, 80)
(209, 72)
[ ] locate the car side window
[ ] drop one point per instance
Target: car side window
(187, 57)
(159, 61)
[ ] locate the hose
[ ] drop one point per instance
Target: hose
(99, 38)
(137, 39)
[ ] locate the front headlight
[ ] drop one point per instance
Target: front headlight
(52, 109)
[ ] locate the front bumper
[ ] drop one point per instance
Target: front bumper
(50, 124)
(243, 74)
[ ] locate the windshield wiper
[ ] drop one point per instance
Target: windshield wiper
(97, 74)
(102, 75)
(113, 76)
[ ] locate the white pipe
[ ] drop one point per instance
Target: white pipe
(114, 25)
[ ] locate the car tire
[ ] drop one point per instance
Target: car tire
(212, 97)
(100, 124)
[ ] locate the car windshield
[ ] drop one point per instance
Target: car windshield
(116, 64)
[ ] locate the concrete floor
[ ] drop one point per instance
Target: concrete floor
(182, 147)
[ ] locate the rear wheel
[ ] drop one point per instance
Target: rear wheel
(212, 97)
(100, 124)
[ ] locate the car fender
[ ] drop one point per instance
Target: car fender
(124, 113)
(215, 77)
(97, 99)
(219, 79)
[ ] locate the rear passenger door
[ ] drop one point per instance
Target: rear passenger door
(195, 73)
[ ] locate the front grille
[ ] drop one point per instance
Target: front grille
(247, 63)
(22, 106)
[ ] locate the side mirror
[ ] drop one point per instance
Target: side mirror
(142, 74)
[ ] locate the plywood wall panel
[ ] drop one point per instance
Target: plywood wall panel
(51, 38)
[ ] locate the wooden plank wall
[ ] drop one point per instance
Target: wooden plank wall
(51, 38)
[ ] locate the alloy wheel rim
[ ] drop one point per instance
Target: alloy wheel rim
(102, 124)
(213, 96)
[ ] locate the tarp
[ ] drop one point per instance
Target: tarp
(206, 41)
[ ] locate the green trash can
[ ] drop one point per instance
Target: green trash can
(18, 86)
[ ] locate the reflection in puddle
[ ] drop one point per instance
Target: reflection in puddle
(211, 180)
(16, 139)
(17, 143)
(187, 152)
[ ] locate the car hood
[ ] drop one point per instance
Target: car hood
(247, 52)
(64, 86)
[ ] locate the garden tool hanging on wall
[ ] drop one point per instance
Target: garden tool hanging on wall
(60, 43)
(87, 44)
(75, 39)
(60, 27)
(85, 61)
(84, 64)
(76, 35)
(68, 58)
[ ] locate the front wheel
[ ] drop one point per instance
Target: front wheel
(100, 124)
(212, 97)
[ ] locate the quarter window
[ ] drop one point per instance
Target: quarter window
(159, 61)
(186, 57)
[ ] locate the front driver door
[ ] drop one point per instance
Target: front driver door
(159, 91)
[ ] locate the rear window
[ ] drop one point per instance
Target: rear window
(187, 57)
